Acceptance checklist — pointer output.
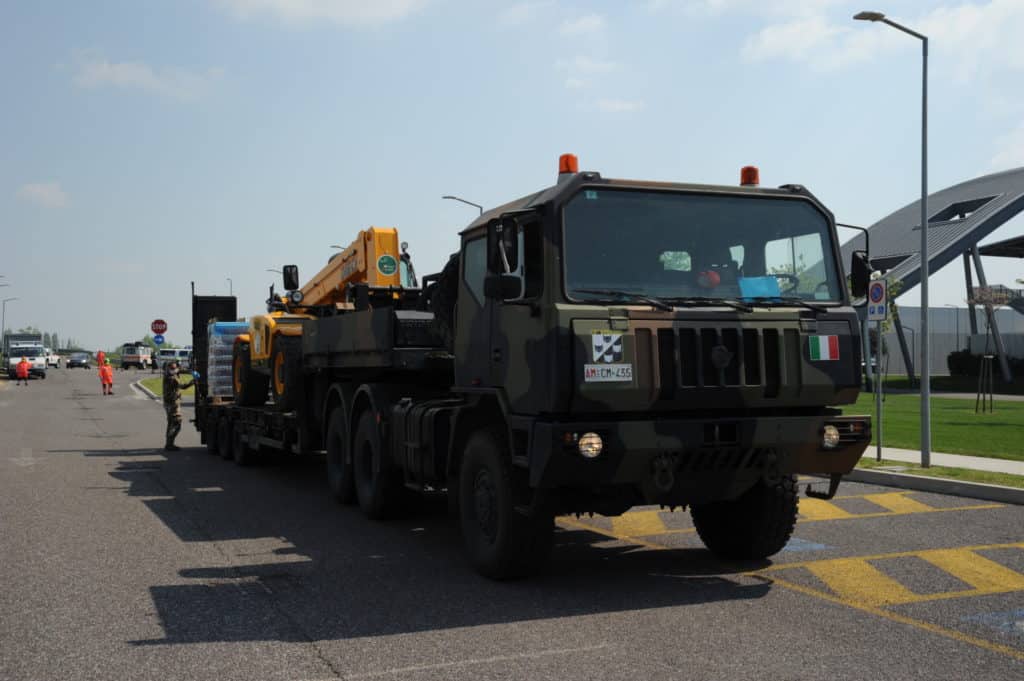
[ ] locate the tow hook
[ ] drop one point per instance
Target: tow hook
(663, 466)
(833, 487)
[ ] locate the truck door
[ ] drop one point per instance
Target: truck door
(473, 316)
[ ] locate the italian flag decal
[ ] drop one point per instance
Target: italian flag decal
(824, 347)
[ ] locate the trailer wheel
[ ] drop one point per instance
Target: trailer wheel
(501, 542)
(285, 367)
(378, 488)
(224, 443)
(249, 387)
(240, 451)
(753, 526)
(211, 435)
(339, 472)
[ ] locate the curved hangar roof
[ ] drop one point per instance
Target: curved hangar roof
(960, 217)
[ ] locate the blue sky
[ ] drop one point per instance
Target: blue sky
(149, 144)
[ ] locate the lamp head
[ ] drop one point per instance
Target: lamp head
(869, 16)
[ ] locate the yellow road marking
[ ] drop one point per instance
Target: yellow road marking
(898, 502)
(982, 574)
(853, 579)
(818, 509)
(902, 619)
(638, 524)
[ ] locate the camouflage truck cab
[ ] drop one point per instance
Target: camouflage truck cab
(651, 343)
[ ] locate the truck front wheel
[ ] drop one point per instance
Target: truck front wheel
(339, 471)
(501, 541)
(378, 487)
(755, 525)
(285, 363)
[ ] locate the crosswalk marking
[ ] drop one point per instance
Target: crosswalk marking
(971, 568)
(898, 502)
(817, 509)
(638, 524)
(854, 579)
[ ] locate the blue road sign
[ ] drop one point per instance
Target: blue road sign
(158, 339)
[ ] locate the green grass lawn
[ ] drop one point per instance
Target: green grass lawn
(959, 384)
(956, 429)
(156, 385)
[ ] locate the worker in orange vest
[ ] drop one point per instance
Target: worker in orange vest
(21, 371)
(107, 377)
(101, 357)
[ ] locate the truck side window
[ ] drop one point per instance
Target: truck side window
(533, 260)
(474, 267)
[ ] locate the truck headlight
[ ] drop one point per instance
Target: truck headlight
(830, 437)
(590, 445)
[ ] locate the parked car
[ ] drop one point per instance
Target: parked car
(183, 356)
(79, 359)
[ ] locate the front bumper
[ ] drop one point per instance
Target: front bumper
(693, 449)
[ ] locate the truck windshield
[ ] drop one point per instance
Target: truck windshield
(672, 245)
(26, 352)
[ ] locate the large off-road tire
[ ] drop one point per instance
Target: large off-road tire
(249, 387)
(285, 372)
(442, 301)
(378, 484)
(501, 542)
(753, 526)
(340, 476)
(224, 439)
(210, 432)
(240, 451)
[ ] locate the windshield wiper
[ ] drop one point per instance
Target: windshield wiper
(776, 301)
(627, 295)
(708, 300)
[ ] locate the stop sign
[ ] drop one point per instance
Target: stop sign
(158, 326)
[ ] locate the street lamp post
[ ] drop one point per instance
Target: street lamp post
(926, 411)
(3, 321)
(231, 287)
(470, 203)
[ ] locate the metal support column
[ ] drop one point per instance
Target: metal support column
(969, 282)
(1004, 366)
(908, 360)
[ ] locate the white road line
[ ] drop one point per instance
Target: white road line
(466, 663)
(26, 458)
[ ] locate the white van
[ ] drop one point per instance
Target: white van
(183, 356)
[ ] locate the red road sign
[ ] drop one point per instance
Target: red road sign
(158, 326)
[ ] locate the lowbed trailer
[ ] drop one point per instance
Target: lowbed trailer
(594, 346)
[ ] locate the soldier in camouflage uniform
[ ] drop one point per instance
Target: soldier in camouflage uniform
(172, 403)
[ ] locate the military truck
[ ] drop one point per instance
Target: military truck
(594, 346)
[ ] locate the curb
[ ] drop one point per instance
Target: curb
(920, 483)
(138, 386)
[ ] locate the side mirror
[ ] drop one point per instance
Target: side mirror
(503, 244)
(860, 274)
(290, 274)
(503, 286)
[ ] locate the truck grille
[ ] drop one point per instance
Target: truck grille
(728, 357)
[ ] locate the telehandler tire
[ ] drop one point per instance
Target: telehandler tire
(249, 387)
(285, 371)
(755, 525)
(501, 541)
(378, 485)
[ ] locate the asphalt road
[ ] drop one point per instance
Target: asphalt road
(118, 562)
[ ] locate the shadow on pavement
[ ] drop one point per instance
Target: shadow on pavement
(295, 566)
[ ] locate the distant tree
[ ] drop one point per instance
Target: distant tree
(28, 329)
(56, 341)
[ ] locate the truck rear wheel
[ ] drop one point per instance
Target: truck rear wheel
(339, 471)
(249, 387)
(753, 526)
(240, 451)
(210, 433)
(285, 365)
(224, 443)
(378, 487)
(501, 542)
